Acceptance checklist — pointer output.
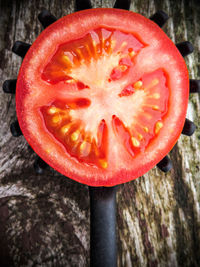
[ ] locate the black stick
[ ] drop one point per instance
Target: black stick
(122, 4)
(9, 86)
(160, 18)
(40, 165)
(82, 4)
(165, 164)
(194, 86)
(15, 129)
(46, 18)
(189, 127)
(103, 246)
(185, 48)
(20, 48)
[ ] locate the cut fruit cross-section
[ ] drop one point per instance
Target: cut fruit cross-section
(102, 96)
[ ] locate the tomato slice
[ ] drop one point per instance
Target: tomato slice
(102, 96)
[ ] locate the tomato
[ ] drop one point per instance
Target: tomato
(102, 96)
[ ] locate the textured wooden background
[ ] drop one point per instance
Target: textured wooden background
(44, 219)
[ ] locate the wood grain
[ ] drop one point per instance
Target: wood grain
(44, 219)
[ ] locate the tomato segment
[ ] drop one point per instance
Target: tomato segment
(95, 45)
(137, 135)
(78, 142)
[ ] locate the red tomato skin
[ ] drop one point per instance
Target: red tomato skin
(123, 175)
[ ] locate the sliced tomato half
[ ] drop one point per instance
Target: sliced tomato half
(102, 96)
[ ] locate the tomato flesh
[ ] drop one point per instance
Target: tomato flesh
(101, 102)
(113, 48)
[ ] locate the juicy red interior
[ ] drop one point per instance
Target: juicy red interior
(95, 64)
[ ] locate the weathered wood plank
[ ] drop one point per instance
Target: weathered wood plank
(44, 220)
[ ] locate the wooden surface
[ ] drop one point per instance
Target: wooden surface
(44, 219)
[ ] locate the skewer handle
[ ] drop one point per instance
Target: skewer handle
(103, 246)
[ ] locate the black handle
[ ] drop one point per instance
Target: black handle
(103, 245)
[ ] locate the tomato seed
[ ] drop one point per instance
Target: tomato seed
(56, 119)
(135, 142)
(138, 85)
(158, 126)
(66, 128)
(75, 136)
(156, 96)
(155, 107)
(103, 163)
(52, 110)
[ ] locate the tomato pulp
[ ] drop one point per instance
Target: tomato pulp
(102, 96)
